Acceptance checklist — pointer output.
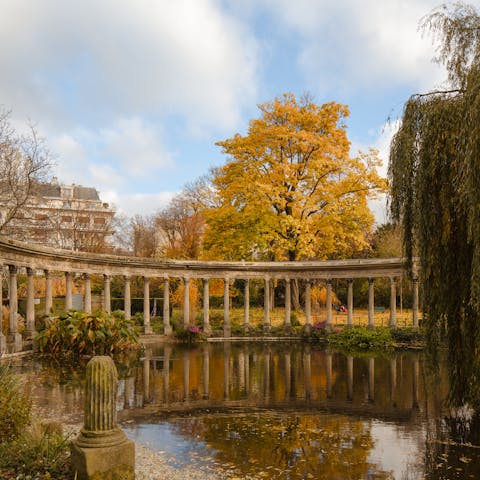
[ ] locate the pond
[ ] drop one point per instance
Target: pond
(287, 411)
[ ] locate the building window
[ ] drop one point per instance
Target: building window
(66, 219)
(99, 221)
(41, 216)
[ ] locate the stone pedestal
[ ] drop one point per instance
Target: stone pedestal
(102, 451)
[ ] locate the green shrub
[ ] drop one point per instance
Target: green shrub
(362, 339)
(80, 333)
(190, 334)
(15, 407)
(407, 335)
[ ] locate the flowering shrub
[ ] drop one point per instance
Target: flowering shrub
(190, 334)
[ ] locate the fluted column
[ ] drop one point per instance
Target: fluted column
(167, 328)
(48, 292)
(415, 301)
(3, 338)
(127, 297)
(266, 305)
(329, 304)
(206, 307)
(146, 305)
(186, 302)
(68, 290)
(88, 293)
(107, 297)
(350, 302)
(308, 305)
(226, 308)
(393, 302)
(30, 317)
(371, 303)
(14, 338)
(288, 303)
(246, 306)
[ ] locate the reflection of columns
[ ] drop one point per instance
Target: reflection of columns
(206, 307)
(415, 301)
(68, 290)
(241, 370)
(416, 369)
(246, 307)
(329, 303)
(48, 292)
(288, 303)
(186, 302)
(206, 372)
(226, 370)
(167, 328)
(350, 302)
(308, 304)
(226, 307)
(266, 304)
(288, 375)
(247, 372)
(186, 376)
(266, 367)
(87, 300)
(146, 305)
(130, 392)
(14, 337)
(167, 350)
(146, 376)
(3, 339)
(328, 364)
(371, 303)
(393, 302)
(393, 380)
(349, 377)
(107, 298)
(127, 297)
(371, 379)
(30, 314)
(307, 370)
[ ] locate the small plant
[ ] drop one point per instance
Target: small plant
(316, 333)
(190, 334)
(408, 335)
(362, 339)
(294, 321)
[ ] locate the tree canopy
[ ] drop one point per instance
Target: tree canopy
(435, 186)
(290, 189)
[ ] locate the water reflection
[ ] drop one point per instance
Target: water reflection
(286, 410)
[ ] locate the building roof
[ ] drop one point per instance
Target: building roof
(55, 191)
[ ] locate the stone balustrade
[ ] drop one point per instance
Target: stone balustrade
(38, 260)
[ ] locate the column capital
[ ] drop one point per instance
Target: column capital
(46, 273)
(146, 278)
(349, 281)
(328, 281)
(86, 276)
(371, 280)
(106, 276)
(287, 279)
(415, 279)
(127, 278)
(30, 271)
(393, 280)
(12, 268)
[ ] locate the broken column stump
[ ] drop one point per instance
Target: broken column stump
(102, 451)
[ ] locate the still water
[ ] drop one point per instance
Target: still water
(287, 411)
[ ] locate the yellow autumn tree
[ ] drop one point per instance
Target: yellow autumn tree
(290, 190)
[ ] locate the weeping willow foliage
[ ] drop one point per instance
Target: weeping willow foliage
(434, 174)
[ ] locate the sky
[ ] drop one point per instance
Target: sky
(131, 96)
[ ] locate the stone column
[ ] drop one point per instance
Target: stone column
(329, 304)
(350, 302)
(288, 304)
(146, 376)
(107, 301)
(393, 302)
(206, 372)
(266, 305)
(246, 306)
(226, 308)
(127, 297)
(3, 338)
(30, 317)
(88, 293)
(167, 351)
(186, 302)
(48, 292)
(102, 450)
(415, 301)
(371, 303)
(14, 338)
(146, 306)
(68, 290)
(349, 377)
(308, 306)
(167, 328)
(206, 307)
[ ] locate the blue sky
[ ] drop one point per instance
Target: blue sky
(132, 95)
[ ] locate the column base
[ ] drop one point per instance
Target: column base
(15, 342)
(246, 327)
(267, 327)
(147, 329)
(167, 330)
(307, 328)
(370, 326)
(207, 329)
(227, 331)
(3, 344)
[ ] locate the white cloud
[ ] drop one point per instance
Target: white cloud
(141, 203)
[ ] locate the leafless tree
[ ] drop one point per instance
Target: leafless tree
(24, 162)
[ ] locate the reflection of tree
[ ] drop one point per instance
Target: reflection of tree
(305, 446)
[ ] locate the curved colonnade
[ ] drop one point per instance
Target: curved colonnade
(34, 260)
